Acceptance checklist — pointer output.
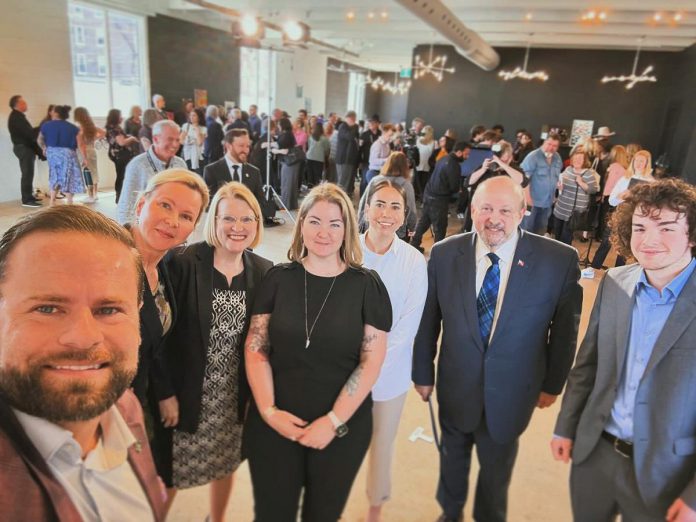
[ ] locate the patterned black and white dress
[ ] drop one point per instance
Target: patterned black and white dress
(214, 450)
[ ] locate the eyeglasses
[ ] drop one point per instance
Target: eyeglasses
(231, 220)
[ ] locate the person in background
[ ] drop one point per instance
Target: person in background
(476, 133)
(150, 117)
(88, 135)
(60, 137)
(193, 138)
(626, 419)
(347, 153)
(332, 135)
(183, 115)
(379, 152)
(25, 148)
(396, 171)
(72, 436)
(631, 150)
(639, 171)
(120, 147)
(444, 183)
(444, 146)
(426, 147)
(161, 156)
(214, 283)
(315, 347)
(254, 123)
(300, 133)
(317, 155)
(507, 304)
(576, 186)
(213, 149)
(394, 260)
(50, 115)
(367, 139)
(523, 147)
(166, 213)
(498, 128)
(134, 122)
(542, 167)
(289, 172)
(158, 103)
(618, 163)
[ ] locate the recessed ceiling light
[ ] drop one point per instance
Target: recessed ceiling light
(678, 17)
(350, 15)
(591, 15)
(528, 16)
(384, 15)
(371, 15)
(602, 15)
(657, 17)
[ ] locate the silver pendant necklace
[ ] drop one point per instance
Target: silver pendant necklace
(308, 331)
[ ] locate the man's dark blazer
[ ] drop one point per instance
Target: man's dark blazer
(533, 344)
(218, 173)
(192, 278)
(347, 151)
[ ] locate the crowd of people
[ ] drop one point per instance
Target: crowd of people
(138, 358)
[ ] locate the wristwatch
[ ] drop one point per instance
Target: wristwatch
(339, 427)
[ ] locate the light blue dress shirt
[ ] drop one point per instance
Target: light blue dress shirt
(543, 177)
(650, 313)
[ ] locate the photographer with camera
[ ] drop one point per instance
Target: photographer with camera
(499, 164)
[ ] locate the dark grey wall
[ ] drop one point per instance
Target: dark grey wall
(336, 89)
(471, 96)
(186, 56)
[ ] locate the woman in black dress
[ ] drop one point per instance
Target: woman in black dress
(315, 348)
(214, 283)
(289, 173)
(119, 147)
(166, 214)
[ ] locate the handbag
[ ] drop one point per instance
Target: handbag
(295, 155)
(579, 219)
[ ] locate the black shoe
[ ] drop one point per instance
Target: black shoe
(273, 222)
(60, 195)
(445, 518)
(31, 204)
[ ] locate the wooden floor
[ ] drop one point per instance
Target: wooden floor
(539, 490)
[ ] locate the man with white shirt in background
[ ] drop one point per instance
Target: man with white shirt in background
(73, 445)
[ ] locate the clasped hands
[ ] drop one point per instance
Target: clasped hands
(316, 435)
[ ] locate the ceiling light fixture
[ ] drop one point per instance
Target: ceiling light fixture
(657, 17)
(371, 15)
(249, 25)
(678, 17)
(435, 66)
(521, 72)
(350, 15)
(384, 15)
(633, 79)
(594, 16)
(528, 16)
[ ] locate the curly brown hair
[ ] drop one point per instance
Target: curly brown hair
(649, 198)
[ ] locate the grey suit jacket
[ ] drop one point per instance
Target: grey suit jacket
(665, 409)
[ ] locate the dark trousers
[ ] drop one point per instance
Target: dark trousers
(604, 485)
(315, 171)
(26, 157)
(496, 460)
(603, 250)
(282, 470)
(562, 231)
(420, 179)
(434, 212)
(199, 170)
(364, 169)
(120, 164)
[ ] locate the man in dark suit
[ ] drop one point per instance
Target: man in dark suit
(24, 146)
(628, 419)
(234, 167)
(347, 153)
(508, 305)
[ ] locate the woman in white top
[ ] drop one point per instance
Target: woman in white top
(426, 147)
(639, 171)
(192, 139)
(396, 262)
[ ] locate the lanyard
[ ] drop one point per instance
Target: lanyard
(152, 163)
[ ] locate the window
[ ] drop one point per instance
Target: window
(257, 79)
(109, 59)
(356, 93)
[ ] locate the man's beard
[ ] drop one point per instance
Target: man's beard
(76, 400)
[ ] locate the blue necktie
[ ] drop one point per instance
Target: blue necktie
(487, 298)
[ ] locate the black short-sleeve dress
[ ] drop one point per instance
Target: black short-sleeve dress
(308, 380)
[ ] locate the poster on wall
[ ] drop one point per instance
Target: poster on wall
(200, 97)
(229, 105)
(581, 130)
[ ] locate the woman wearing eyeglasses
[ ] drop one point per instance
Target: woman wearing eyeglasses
(214, 285)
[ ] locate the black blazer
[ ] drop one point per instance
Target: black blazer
(152, 379)
(187, 347)
(533, 344)
(217, 174)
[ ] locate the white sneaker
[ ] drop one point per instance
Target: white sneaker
(89, 200)
(588, 273)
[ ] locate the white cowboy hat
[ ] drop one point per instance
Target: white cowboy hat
(603, 132)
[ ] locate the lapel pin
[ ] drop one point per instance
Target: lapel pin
(138, 446)
(520, 263)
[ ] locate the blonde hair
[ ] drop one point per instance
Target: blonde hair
(351, 252)
(232, 190)
(89, 130)
(581, 148)
(428, 135)
(619, 155)
(648, 167)
(631, 150)
(188, 178)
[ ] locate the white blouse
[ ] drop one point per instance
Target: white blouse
(404, 272)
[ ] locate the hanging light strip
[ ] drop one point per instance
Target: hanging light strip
(436, 66)
(522, 73)
(633, 78)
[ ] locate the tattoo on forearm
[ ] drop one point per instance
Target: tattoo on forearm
(258, 335)
(367, 342)
(353, 381)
